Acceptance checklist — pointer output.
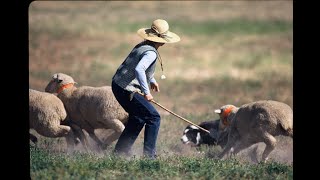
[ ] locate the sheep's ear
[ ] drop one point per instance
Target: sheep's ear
(55, 76)
(75, 82)
(218, 111)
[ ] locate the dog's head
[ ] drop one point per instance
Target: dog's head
(191, 135)
(195, 136)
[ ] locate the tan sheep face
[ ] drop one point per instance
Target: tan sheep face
(52, 86)
(59, 82)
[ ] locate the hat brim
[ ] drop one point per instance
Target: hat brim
(171, 37)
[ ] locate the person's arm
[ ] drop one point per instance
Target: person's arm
(140, 70)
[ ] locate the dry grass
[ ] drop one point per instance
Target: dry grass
(89, 40)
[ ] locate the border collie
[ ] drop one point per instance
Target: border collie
(196, 137)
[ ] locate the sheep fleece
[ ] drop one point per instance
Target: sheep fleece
(95, 104)
(257, 122)
(46, 111)
(272, 116)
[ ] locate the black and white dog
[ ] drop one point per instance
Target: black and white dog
(196, 137)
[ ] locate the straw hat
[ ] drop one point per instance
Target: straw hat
(159, 32)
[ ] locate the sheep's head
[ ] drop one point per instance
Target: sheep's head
(59, 82)
(226, 113)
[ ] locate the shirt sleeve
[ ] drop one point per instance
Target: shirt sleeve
(140, 70)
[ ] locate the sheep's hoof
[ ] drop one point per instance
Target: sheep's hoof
(219, 157)
(263, 161)
(76, 141)
(104, 146)
(34, 139)
(254, 155)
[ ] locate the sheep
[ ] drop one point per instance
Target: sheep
(47, 115)
(90, 107)
(255, 122)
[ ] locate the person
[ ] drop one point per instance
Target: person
(136, 74)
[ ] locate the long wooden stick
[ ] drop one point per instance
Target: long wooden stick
(177, 115)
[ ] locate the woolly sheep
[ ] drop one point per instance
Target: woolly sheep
(255, 122)
(90, 107)
(46, 115)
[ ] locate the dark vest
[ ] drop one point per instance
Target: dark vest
(125, 75)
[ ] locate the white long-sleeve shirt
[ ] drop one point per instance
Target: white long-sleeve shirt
(140, 70)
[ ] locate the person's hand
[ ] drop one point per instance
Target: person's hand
(155, 87)
(148, 97)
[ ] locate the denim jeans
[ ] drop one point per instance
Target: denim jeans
(141, 114)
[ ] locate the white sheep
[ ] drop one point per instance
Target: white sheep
(90, 107)
(255, 122)
(46, 115)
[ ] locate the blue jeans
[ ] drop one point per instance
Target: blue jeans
(141, 114)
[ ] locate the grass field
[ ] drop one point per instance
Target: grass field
(230, 53)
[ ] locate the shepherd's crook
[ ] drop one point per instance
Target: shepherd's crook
(131, 96)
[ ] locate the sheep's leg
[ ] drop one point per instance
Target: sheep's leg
(96, 139)
(226, 149)
(270, 145)
(254, 154)
(62, 130)
(70, 141)
(79, 133)
(54, 131)
(221, 137)
(118, 127)
(233, 138)
(59, 131)
(33, 138)
(242, 144)
(229, 146)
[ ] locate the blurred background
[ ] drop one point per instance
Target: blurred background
(231, 52)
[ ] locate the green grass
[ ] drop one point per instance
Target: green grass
(234, 27)
(52, 165)
(230, 53)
